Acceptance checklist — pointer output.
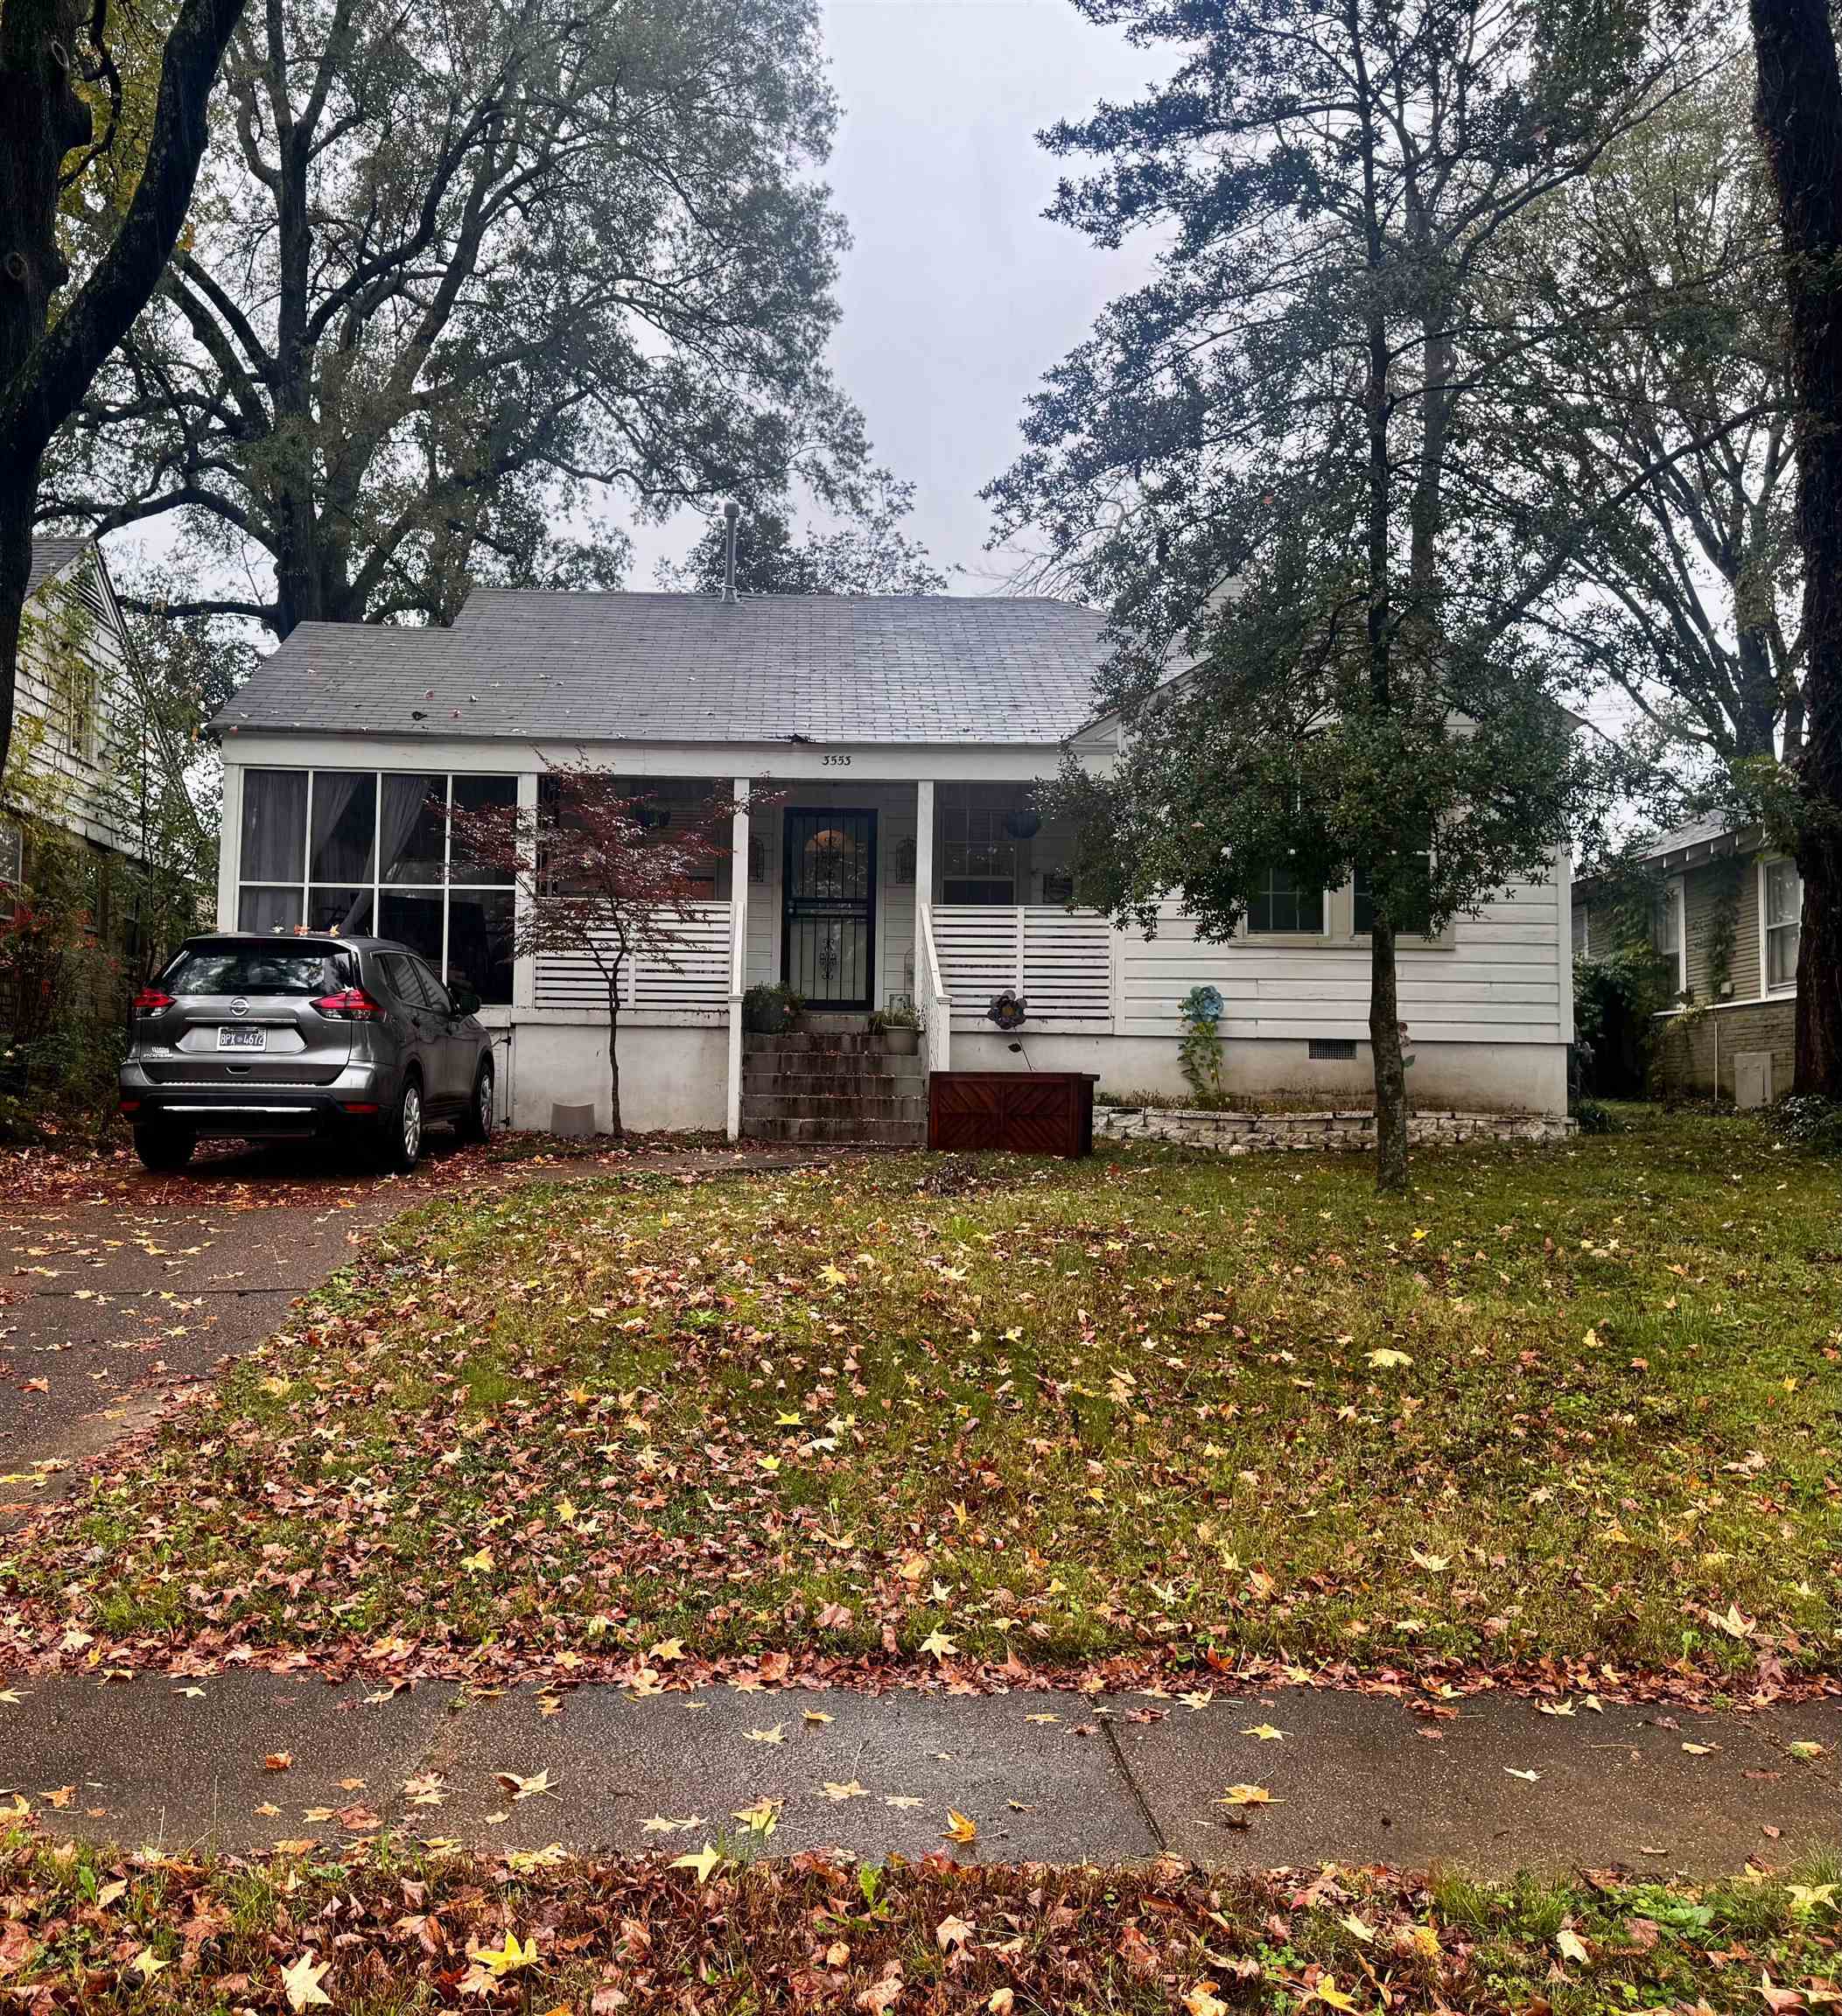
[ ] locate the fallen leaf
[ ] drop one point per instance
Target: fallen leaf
(959, 1828)
(302, 1982)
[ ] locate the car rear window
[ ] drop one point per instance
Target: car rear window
(260, 969)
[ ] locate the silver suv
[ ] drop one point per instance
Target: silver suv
(270, 1038)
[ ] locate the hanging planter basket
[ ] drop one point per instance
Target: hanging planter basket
(1023, 825)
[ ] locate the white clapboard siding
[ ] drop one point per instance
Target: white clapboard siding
(1057, 960)
(1497, 981)
(695, 978)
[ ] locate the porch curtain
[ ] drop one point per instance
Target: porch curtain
(404, 799)
(334, 793)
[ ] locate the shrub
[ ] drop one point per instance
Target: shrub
(1200, 1057)
(1808, 1121)
(767, 1009)
(1592, 1116)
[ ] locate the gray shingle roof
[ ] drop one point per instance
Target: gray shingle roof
(689, 669)
(50, 557)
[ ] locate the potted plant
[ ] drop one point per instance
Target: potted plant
(901, 1027)
(767, 1010)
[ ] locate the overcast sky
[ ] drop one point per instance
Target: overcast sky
(956, 294)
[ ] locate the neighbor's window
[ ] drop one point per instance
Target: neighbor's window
(366, 851)
(1666, 921)
(1783, 921)
(1283, 902)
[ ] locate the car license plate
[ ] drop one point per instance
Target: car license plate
(230, 1039)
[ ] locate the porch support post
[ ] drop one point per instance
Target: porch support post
(524, 970)
(923, 886)
(737, 953)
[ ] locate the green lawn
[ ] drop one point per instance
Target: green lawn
(389, 1932)
(1579, 1406)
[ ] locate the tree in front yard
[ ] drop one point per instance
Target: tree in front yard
(1799, 114)
(1261, 462)
(604, 872)
(56, 65)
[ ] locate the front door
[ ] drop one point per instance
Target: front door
(828, 925)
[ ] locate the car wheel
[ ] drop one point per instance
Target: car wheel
(476, 1123)
(163, 1147)
(401, 1143)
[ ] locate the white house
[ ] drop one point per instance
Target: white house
(85, 742)
(901, 737)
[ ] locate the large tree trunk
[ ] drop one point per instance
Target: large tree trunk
(45, 367)
(1799, 114)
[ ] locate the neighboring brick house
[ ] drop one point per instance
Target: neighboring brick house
(1728, 915)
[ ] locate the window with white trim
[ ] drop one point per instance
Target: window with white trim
(1666, 932)
(366, 853)
(1283, 902)
(1783, 916)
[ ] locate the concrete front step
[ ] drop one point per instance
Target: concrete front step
(883, 1133)
(809, 1042)
(765, 1077)
(773, 1106)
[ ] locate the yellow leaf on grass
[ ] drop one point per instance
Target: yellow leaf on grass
(1327, 1991)
(939, 1644)
(1569, 1944)
(1201, 2000)
(507, 1959)
(302, 1983)
(1388, 1359)
(478, 1563)
(147, 1963)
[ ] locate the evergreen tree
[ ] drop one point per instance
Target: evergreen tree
(1321, 663)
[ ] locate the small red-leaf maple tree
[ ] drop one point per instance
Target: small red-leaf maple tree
(604, 870)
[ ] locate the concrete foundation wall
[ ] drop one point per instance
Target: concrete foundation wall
(1686, 1051)
(669, 1077)
(1472, 1077)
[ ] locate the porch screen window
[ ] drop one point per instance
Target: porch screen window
(978, 858)
(1283, 903)
(363, 851)
(1784, 922)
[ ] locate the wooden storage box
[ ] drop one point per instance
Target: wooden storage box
(1026, 1112)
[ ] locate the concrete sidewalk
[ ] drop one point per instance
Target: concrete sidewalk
(1354, 1778)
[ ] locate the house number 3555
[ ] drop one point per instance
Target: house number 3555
(835, 762)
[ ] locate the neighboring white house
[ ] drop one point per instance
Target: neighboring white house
(82, 738)
(900, 737)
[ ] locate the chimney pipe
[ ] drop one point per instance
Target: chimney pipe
(732, 513)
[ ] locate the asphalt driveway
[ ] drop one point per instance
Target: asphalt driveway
(118, 1289)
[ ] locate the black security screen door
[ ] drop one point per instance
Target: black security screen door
(828, 942)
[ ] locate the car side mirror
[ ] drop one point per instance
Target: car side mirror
(467, 1002)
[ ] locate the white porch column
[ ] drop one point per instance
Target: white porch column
(524, 970)
(737, 953)
(923, 884)
(230, 845)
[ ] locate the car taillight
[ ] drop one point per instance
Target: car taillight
(350, 1004)
(149, 1001)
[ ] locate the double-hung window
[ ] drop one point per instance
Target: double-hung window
(1417, 917)
(1284, 902)
(368, 851)
(1783, 908)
